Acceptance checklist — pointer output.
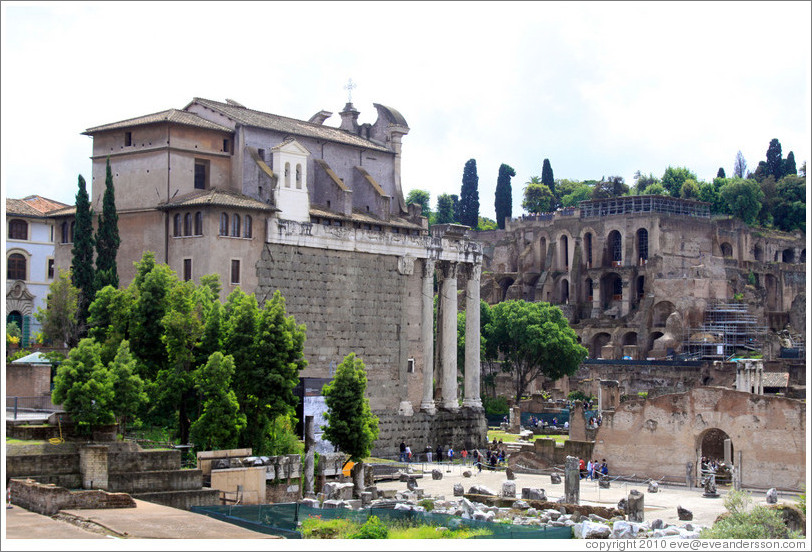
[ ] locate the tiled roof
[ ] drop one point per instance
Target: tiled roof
(170, 115)
(223, 198)
(65, 211)
(364, 218)
(32, 206)
(775, 379)
(250, 117)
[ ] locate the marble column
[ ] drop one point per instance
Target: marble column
(472, 341)
(427, 335)
(448, 344)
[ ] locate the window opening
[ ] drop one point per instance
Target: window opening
(235, 271)
(187, 270)
(235, 225)
(18, 230)
(176, 226)
(16, 267)
(249, 230)
(223, 224)
(198, 223)
(187, 224)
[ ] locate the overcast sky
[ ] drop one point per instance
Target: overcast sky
(600, 89)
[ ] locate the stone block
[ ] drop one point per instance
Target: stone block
(653, 486)
(531, 493)
(509, 489)
(459, 490)
(603, 483)
(436, 475)
(635, 506)
(509, 474)
(555, 479)
(772, 496)
(481, 490)
(684, 514)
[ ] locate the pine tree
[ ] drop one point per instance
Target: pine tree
(548, 180)
(82, 276)
(504, 195)
(469, 195)
(775, 162)
(107, 238)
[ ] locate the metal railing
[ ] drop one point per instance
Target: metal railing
(30, 405)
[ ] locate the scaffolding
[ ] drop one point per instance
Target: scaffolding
(644, 204)
(728, 328)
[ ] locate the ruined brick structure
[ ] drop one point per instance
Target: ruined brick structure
(635, 274)
(273, 203)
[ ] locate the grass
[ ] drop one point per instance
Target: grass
(317, 528)
(497, 434)
(10, 441)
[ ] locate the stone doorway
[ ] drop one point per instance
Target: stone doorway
(712, 445)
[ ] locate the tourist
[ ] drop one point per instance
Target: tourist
(589, 470)
(566, 424)
(402, 451)
(604, 468)
(428, 453)
(408, 453)
(439, 452)
(464, 455)
(595, 469)
(478, 460)
(581, 468)
(450, 454)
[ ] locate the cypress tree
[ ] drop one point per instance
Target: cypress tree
(775, 162)
(789, 164)
(83, 278)
(469, 195)
(504, 195)
(548, 180)
(107, 238)
(721, 173)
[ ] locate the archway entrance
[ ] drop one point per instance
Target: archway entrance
(711, 451)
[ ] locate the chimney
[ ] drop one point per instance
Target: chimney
(349, 118)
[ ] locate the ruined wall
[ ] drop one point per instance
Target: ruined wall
(49, 499)
(464, 428)
(657, 437)
(351, 302)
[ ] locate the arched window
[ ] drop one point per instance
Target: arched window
(176, 225)
(223, 224)
(17, 229)
(198, 224)
(235, 225)
(16, 267)
(249, 230)
(642, 245)
(565, 252)
(298, 176)
(614, 248)
(187, 224)
(287, 175)
(588, 249)
(65, 232)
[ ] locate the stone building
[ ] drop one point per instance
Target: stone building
(274, 203)
(30, 261)
(635, 275)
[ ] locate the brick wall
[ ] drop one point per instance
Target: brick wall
(27, 380)
(464, 428)
(49, 499)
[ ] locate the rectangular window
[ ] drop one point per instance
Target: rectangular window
(410, 366)
(200, 176)
(261, 153)
(226, 145)
(187, 270)
(235, 272)
(128, 138)
(50, 269)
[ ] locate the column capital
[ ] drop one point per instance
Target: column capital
(428, 268)
(449, 269)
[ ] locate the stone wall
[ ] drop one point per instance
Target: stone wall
(351, 302)
(466, 428)
(49, 499)
(656, 438)
(28, 380)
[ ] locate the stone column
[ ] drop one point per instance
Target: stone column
(427, 335)
(448, 346)
(572, 481)
(596, 298)
(472, 341)
(635, 506)
(310, 457)
(624, 301)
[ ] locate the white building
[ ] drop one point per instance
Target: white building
(29, 260)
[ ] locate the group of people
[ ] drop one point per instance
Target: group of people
(432, 456)
(594, 422)
(593, 469)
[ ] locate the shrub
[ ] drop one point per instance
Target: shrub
(374, 528)
(744, 522)
(18, 354)
(427, 503)
(495, 405)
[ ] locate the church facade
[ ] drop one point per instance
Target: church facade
(273, 203)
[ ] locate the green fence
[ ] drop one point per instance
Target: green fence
(282, 520)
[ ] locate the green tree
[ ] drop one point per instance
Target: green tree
(469, 195)
(537, 198)
(775, 161)
(583, 192)
(445, 209)
(689, 190)
(641, 182)
(745, 522)
(60, 318)
(742, 198)
(107, 238)
(82, 274)
(533, 340)
(675, 177)
(84, 387)
(548, 180)
(769, 190)
(455, 207)
(721, 173)
(108, 323)
(221, 422)
(739, 166)
(655, 189)
(790, 207)
(789, 164)
(709, 193)
(614, 186)
(486, 224)
(422, 198)
(504, 195)
(351, 425)
(128, 387)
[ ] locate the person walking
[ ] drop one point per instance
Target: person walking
(439, 452)
(428, 453)
(402, 451)
(450, 454)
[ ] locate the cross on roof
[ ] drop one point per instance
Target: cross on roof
(349, 88)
